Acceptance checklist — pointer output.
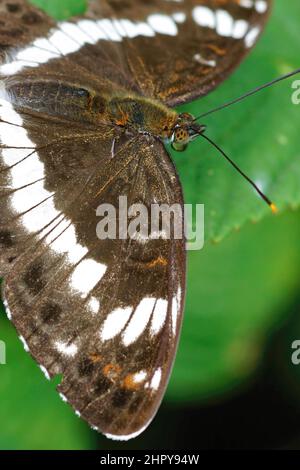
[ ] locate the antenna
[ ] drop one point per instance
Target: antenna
(261, 194)
(250, 93)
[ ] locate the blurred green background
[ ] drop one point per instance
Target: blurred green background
(233, 376)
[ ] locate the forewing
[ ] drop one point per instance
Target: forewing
(104, 313)
(172, 51)
(177, 51)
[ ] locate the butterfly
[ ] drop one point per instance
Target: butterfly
(87, 106)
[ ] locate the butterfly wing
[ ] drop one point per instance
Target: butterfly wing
(104, 313)
(172, 51)
(177, 51)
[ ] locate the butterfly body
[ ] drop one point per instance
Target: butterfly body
(77, 102)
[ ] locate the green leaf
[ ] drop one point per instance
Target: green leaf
(61, 9)
(237, 294)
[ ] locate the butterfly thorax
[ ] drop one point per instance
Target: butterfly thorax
(148, 116)
(143, 115)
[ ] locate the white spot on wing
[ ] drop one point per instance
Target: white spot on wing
(210, 63)
(45, 372)
(224, 23)
(155, 381)
(86, 275)
(7, 309)
(176, 301)
(62, 396)
(252, 36)
(35, 54)
(139, 320)
(126, 28)
(174, 314)
(30, 196)
(44, 43)
(94, 305)
(109, 30)
(159, 316)
(76, 33)
(14, 67)
(246, 3)
(14, 136)
(179, 17)
(92, 30)
(163, 24)
(261, 6)
(62, 239)
(115, 322)
(240, 29)
(204, 17)
(116, 437)
(139, 377)
(66, 349)
(63, 42)
(36, 218)
(24, 343)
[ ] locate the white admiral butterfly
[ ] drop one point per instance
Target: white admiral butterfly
(86, 106)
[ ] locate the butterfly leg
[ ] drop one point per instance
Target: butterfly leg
(112, 152)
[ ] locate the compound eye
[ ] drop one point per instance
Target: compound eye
(180, 139)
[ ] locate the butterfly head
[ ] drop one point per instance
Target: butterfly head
(185, 131)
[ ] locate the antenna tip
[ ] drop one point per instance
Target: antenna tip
(274, 208)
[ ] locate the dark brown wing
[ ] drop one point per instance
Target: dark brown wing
(21, 23)
(172, 51)
(104, 313)
(179, 50)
